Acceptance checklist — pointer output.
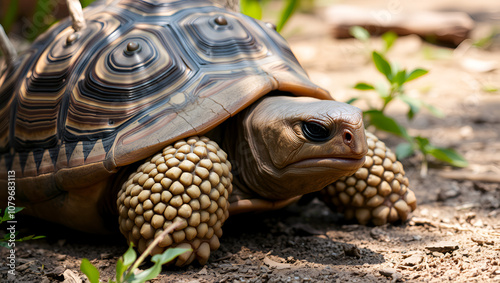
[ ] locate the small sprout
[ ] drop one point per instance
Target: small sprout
(128, 263)
(7, 241)
(361, 34)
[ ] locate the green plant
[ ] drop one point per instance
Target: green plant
(8, 240)
(393, 89)
(363, 35)
(126, 267)
(254, 8)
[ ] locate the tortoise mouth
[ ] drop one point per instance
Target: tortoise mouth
(325, 163)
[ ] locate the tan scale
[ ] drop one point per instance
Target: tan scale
(378, 192)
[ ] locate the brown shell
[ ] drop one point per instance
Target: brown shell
(141, 75)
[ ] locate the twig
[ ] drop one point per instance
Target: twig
(158, 239)
(8, 49)
(461, 175)
(76, 13)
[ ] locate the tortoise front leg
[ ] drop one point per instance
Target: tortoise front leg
(189, 182)
(378, 192)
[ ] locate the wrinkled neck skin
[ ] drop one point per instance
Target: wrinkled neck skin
(272, 157)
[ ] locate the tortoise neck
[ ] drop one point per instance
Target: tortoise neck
(235, 143)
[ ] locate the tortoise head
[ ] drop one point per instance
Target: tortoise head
(300, 145)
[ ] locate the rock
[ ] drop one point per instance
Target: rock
(71, 277)
(106, 256)
(443, 247)
(392, 273)
(478, 223)
(446, 194)
(61, 257)
(277, 265)
(378, 234)
(388, 272)
(481, 241)
(414, 258)
(352, 250)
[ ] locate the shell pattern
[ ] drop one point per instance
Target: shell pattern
(141, 75)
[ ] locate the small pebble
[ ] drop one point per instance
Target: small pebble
(61, 257)
(414, 259)
(448, 194)
(443, 247)
(352, 251)
(106, 256)
(388, 271)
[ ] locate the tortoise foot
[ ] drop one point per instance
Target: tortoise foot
(377, 193)
(189, 182)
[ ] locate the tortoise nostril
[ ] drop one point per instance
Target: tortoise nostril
(347, 137)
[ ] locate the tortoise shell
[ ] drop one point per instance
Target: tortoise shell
(141, 75)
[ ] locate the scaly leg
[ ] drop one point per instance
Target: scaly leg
(378, 192)
(189, 182)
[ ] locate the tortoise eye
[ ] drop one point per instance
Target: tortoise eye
(315, 132)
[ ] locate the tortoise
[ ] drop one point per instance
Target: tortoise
(156, 112)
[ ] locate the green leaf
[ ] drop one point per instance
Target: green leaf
(7, 213)
(382, 65)
(364, 86)
(5, 216)
(90, 271)
(352, 100)
(169, 255)
(399, 78)
(30, 237)
(251, 8)
(384, 123)
(490, 88)
(389, 38)
(124, 262)
(159, 260)
(286, 13)
(447, 155)
(413, 103)
(85, 3)
(417, 73)
(120, 270)
(129, 256)
(404, 150)
(422, 143)
(359, 33)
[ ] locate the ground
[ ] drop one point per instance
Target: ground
(453, 236)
